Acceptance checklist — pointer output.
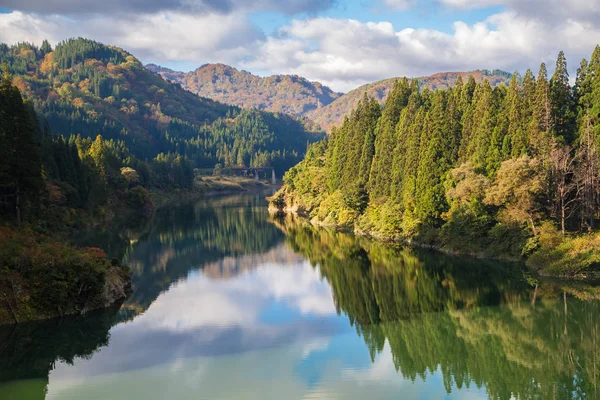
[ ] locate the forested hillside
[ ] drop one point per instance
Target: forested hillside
(510, 172)
(48, 186)
(288, 94)
(86, 88)
(333, 114)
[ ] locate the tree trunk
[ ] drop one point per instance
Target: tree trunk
(533, 228)
(562, 216)
(534, 295)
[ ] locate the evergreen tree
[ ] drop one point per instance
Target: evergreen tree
(386, 139)
(561, 98)
(21, 180)
(541, 124)
(516, 143)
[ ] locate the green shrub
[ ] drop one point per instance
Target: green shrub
(53, 276)
(465, 231)
(566, 256)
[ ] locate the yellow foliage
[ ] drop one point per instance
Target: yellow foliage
(21, 84)
(92, 62)
(84, 85)
(78, 102)
(48, 63)
(26, 53)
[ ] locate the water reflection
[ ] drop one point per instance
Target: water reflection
(225, 235)
(479, 323)
(28, 352)
(230, 304)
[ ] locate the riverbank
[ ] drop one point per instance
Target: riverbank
(208, 186)
(42, 277)
(549, 253)
(48, 270)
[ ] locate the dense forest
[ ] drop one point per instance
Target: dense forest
(85, 88)
(86, 134)
(51, 186)
(509, 172)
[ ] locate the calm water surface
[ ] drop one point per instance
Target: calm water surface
(231, 304)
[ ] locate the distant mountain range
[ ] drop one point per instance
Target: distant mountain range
(297, 96)
(333, 114)
(289, 94)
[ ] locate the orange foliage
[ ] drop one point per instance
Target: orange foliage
(53, 96)
(92, 62)
(48, 63)
(26, 53)
(95, 252)
(21, 84)
(84, 85)
(78, 102)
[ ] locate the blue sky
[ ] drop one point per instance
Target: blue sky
(428, 14)
(342, 43)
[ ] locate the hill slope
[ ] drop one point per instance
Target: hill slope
(289, 94)
(87, 88)
(333, 114)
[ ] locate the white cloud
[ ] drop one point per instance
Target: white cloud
(347, 53)
(21, 27)
(111, 7)
(400, 4)
(341, 53)
(201, 302)
(472, 3)
(161, 37)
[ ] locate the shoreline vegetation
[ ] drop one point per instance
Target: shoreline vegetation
(91, 143)
(61, 196)
(45, 277)
(507, 173)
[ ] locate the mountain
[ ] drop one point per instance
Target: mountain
(297, 96)
(289, 94)
(333, 114)
(86, 88)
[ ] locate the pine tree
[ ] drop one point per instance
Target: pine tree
(46, 48)
(476, 145)
(541, 125)
(516, 137)
(379, 182)
(561, 99)
(434, 160)
(582, 89)
(405, 155)
(528, 96)
(21, 172)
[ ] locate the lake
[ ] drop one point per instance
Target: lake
(231, 303)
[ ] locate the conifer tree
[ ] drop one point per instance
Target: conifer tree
(561, 98)
(386, 139)
(21, 173)
(528, 96)
(477, 145)
(541, 124)
(516, 137)
(434, 160)
(406, 152)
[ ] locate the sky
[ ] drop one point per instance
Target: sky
(341, 43)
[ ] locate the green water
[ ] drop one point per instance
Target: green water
(232, 304)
